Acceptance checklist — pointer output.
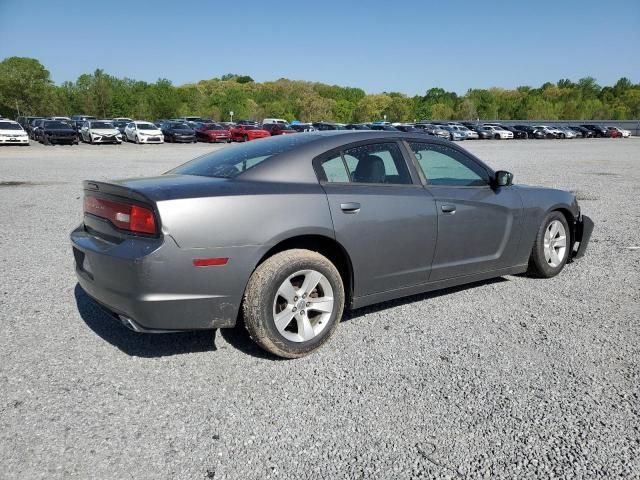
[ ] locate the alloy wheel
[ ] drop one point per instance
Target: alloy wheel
(303, 305)
(555, 243)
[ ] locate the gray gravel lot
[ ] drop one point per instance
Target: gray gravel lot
(512, 378)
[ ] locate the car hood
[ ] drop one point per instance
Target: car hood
(14, 133)
(151, 132)
(182, 131)
(60, 130)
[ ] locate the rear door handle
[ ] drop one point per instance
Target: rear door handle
(350, 207)
(451, 209)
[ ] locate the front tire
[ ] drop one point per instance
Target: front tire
(551, 247)
(293, 303)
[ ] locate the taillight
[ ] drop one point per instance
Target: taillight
(123, 215)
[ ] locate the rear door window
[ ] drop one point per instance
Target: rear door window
(377, 163)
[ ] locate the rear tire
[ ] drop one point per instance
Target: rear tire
(279, 310)
(551, 247)
(245, 138)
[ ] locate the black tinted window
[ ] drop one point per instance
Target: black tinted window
(377, 163)
(9, 126)
(56, 125)
(442, 165)
(232, 161)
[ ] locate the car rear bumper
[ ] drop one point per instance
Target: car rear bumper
(151, 285)
(584, 228)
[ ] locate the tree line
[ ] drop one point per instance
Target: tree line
(26, 87)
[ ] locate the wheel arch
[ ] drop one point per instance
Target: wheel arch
(325, 246)
(571, 221)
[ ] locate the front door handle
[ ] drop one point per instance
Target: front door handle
(450, 209)
(350, 207)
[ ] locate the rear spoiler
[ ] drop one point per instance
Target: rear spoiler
(114, 190)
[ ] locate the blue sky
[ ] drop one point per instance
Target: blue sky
(407, 46)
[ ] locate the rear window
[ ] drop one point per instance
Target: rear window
(231, 162)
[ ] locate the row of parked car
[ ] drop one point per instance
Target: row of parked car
(49, 130)
(473, 131)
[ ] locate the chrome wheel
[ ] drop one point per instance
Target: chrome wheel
(555, 243)
(303, 306)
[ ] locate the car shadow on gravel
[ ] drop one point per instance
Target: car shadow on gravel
(352, 314)
(140, 344)
(162, 345)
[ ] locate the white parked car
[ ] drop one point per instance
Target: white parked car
(549, 132)
(567, 132)
(143, 132)
(468, 134)
(100, 131)
(279, 121)
(12, 133)
(499, 133)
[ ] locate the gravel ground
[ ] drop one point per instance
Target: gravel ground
(511, 378)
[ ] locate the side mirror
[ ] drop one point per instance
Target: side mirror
(503, 178)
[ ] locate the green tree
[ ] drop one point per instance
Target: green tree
(25, 86)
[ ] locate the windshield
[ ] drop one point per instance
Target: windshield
(214, 127)
(232, 161)
(56, 125)
(146, 126)
(102, 125)
(180, 126)
(9, 126)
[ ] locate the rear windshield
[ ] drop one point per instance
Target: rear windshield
(10, 126)
(232, 161)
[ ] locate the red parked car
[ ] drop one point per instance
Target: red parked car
(614, 132)
(278, 129)
(244, 133)
(212, 132)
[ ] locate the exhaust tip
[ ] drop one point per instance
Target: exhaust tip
(130, 324)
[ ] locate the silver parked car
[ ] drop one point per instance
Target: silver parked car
(291, 230)
(435, 130)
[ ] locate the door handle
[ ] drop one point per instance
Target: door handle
(450, 209)
(350, 207)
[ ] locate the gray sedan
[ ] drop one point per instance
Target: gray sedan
(289, 231)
